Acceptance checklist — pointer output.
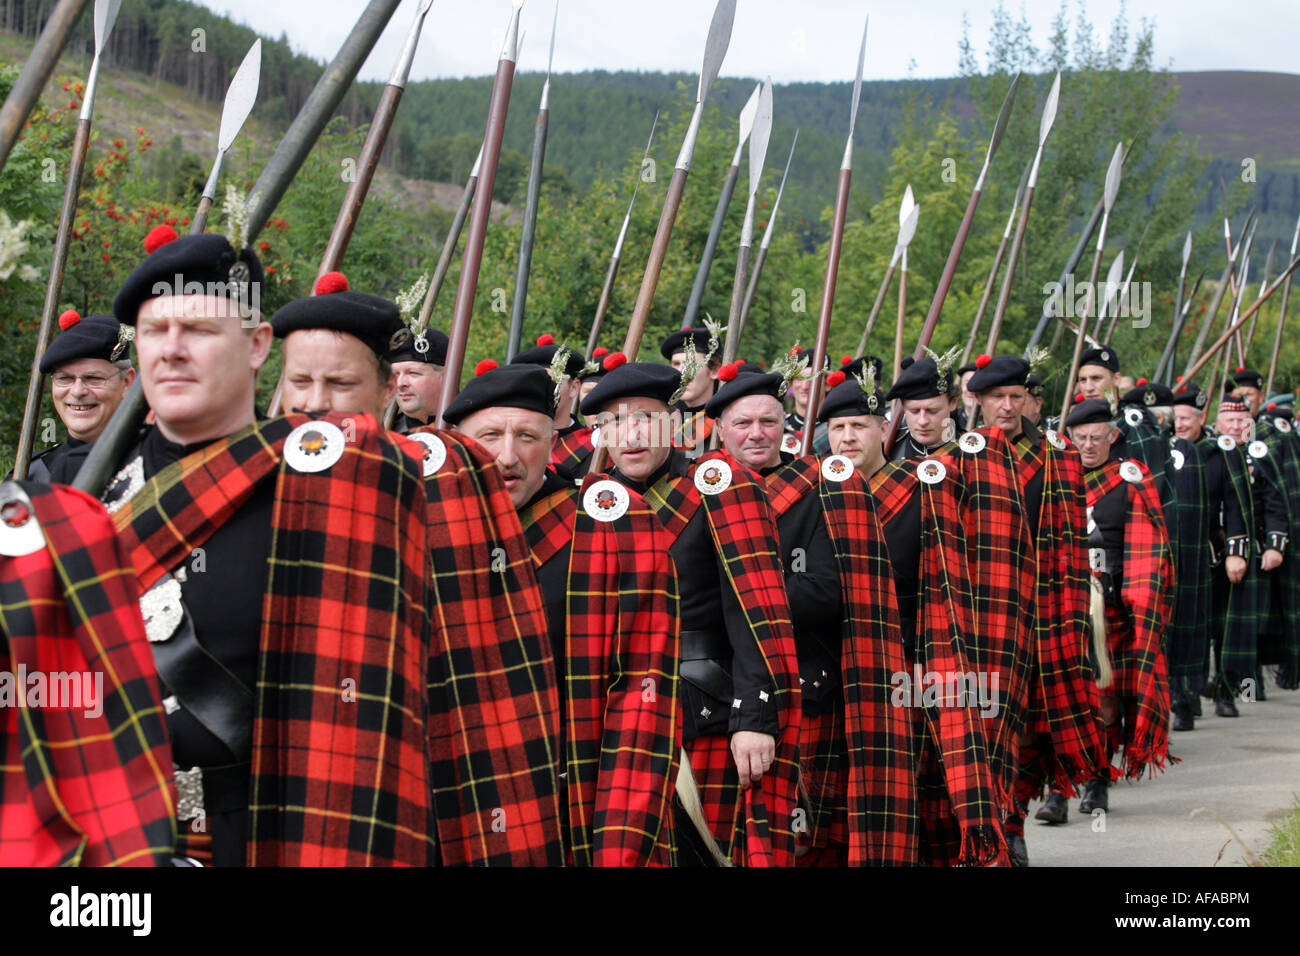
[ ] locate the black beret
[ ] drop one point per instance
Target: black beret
(1249, 377)
(1193, 395)
(1148, 394)
(961, 370)
(508, 386)
(676, 342)
(1102, 355)
(1089, 412)
(372, 319)
(203, 263)
(849, 398)
(858, 365)
(998, 371)
(407, 352)
(919, 380)
(1034, 384)
(745, 383)
(597, 373)
(95, 336)
(543, 355)
(634, 379)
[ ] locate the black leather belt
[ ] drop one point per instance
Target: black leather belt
(705, 646)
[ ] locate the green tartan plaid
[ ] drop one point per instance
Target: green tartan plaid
(1281, 469)
(1188, 523)
(1235, 616)
(1144, 441)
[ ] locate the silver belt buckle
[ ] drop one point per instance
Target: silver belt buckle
(189, 794)
(1097, 559)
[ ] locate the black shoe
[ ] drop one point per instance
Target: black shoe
(1017, 849)
(1209, 689)
(1259, 685)
(1054, 810)
(1224, 707)
(1183, 719)
(1196, 705)
(1095, 796)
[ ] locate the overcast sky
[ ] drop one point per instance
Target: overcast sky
(793, 40)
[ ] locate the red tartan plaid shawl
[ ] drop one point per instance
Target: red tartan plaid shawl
(1000, 555)
(744, 534)
(881, 777)
(694, 431)
(570, 454)
(622, 646)
(494, 712)
(958, 735)
(340, 772)
(1063, 698)
(1134, 634)
(86, 778)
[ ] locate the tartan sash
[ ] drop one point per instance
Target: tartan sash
(1134, 632)
(79, 788)
(494, 709)
(1189, 523)
(340, 772)
(622, 647)
(571, 453)
(953, 736)
(744, 535)
(874, 736)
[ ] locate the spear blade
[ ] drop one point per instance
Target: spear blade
(905, 208)
(1113, 175)
(908, 228)
(857, 82)
(747, 115)
(752, 287)
(780, 191)
(1049, 109)
(999, 128)
(240, 97)
(715, 49)
(1187, 252)
(105, 17)
(760, 135)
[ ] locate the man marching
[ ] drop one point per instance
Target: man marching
(610, 593)
(693, 351)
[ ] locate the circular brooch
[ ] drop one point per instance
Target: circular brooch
(313, 446)
(1257, 449)
(837, 468)
(1282, 425)
(20, 532)
(1055, 438)
(931, 471)
(790, 444)
(1130, 472)
(972, 443)
(435, 452)
(713, 477)
(1178, 458)
(606, 500)
(1227, 442)
(1133, 416)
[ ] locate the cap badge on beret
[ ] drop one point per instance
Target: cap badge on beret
(435, 452)
(1130, 472)
(1148, 397)
(837, 468)
(1227, 442)
(972, 443)
(1201, 399)
(313, 446)
(1105, 356)
(931, 471)
(713, 477)
(606, 500)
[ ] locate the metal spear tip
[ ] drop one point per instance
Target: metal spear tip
(762, 134)
(1187, 246)
(908, 229)
(510, 48)
(857, 82)
(715, 49)
(105, 16)
(1113, 174)
(748, 113)
(550, 57)
(241, 96)
(1004, 116)
(905, 207)
(1049, 109)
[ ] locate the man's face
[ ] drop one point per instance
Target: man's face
(925, 418)
(328, 371)
(86, 392)
(586, 388)
(700, 390)
(969, 399)
(861, 439)
(1188, 422)
(751, 431)
(419, 385)
(520, 440)
(1033, 407)
(638, 433)
(801, 389)
(1003, 406)
(1094, 441)
(1252, 395)
(1233, 424)
(564, 408)
(1096, 381)
(197, 363)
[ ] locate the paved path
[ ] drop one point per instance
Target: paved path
(1246, 770)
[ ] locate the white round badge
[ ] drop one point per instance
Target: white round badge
(20, 532)
(1178, 458)
(595, 436)
(1257, 449)
(606, 500)
(1133, 416)
(790, 444)
(931, 471)
(713, 477)
(972, 443)
(1130, 472)
(313, 446)
(1227, 442)
(837, 468)
(435, 452)
(1055, 438)
(1282, 425)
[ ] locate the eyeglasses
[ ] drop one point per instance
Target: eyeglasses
(96, 383)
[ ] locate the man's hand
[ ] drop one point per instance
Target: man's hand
(753, 753)
(1272, 559)
(1236, 568)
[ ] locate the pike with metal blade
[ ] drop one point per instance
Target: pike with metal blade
(997, 265)
(761, 258)
(907, 220)
(105, 17)
(1166, 357)
(1281, 316)
(240, 98)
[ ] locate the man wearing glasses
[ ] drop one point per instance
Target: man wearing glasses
(89, 374)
